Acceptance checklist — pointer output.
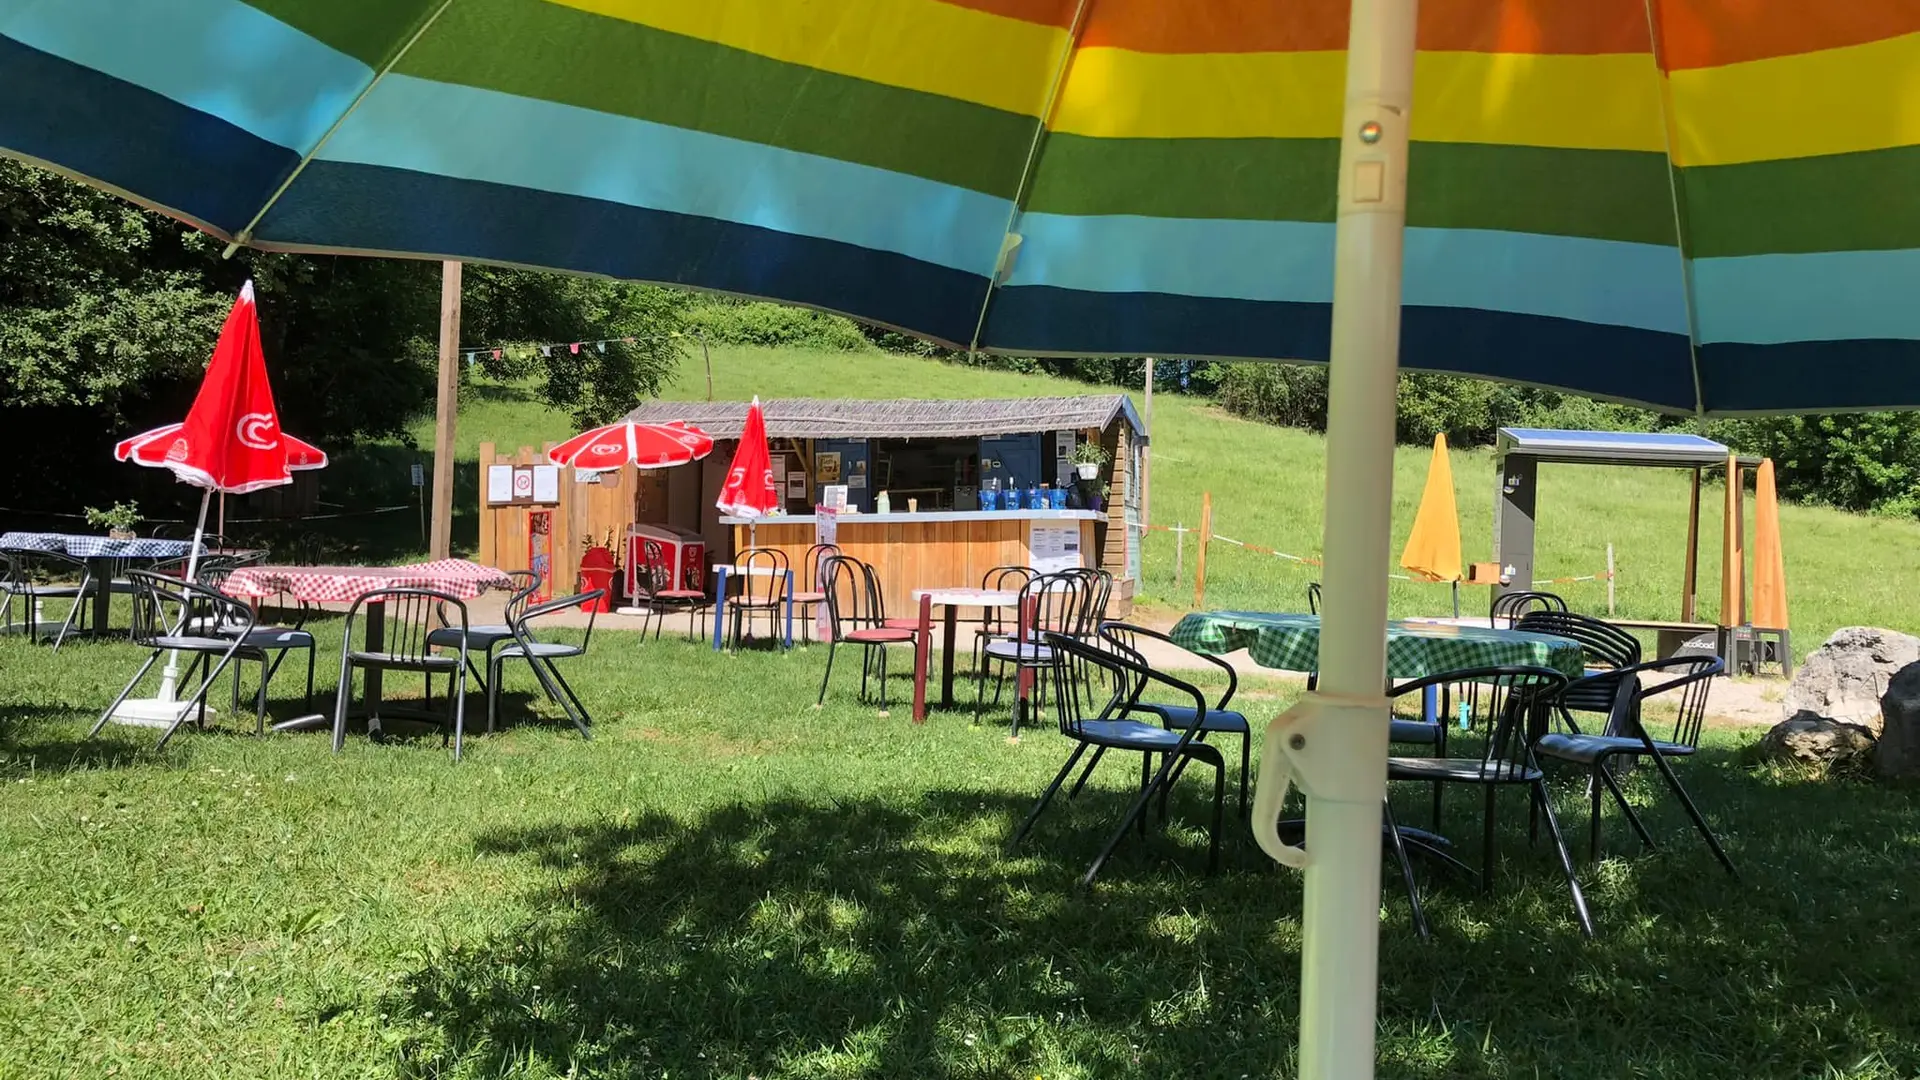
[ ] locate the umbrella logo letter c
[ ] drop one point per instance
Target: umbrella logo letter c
(256, 431)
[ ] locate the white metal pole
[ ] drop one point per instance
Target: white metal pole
(170, 675)
(1334, 745)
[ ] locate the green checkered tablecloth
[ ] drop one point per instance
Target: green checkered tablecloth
(1414, 649)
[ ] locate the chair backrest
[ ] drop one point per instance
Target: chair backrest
(163, 605)
(521, 624)
(770, 584)
(1603, 647)
(1123, 678)
(1099, 592)
(1683, 680)
(1507, 703)
(849, 596)
(1057, 603)
(1129, 638)
(525, 584)
(411, 615)
(1007, 578)
(813, 570)
(1512, 605)
(1313, 598)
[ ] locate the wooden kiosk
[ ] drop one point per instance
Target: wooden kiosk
(1520, 451)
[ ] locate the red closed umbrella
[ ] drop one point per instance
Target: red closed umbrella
(650, 446)
(751, 490)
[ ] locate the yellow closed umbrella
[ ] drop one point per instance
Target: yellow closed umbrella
(1433, 549)
(1769, 561)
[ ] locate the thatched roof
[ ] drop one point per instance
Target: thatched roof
(904, 418)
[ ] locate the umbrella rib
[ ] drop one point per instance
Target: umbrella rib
(1001, 262)
(1679, 215)
(245, 235)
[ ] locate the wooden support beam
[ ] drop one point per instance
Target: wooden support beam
(1689, 584)
(1200, 559)
(440, 545)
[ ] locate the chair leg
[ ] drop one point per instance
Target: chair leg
(1626, 808)
(1098, 753)
(1406, 873)
(1219, 814)
(128, 689)
(309, 700)
(1699, 822)
(832, 646)
(260, 701)
(1246, 758)
(1134, 812)
(576, 711)
(1594, 792)
(459, 707)
(1046, 797)
(1486, 839)
(342, 696)
(496, 671)
(1539, 790)
(1146, 779)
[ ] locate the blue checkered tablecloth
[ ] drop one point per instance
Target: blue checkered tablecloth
(1414, 650)
(94, 547)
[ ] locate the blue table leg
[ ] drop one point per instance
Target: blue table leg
(1430, 704)
(719, 605)
(789, 609)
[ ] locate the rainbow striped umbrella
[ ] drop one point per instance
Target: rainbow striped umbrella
(887, 159)
(1700, 205)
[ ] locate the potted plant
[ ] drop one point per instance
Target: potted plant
(1087, 457)
(118, 519)
(1097, 499)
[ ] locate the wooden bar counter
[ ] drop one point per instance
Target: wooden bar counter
(935, 549)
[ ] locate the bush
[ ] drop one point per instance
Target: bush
(1856, 461)
(742, 322)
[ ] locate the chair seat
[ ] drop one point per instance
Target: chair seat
(674, 594)
(1028, 653)
(190, 643)
(809, 597)
(879, 635)
(411, 663)
(478, 637)
(1462, 770)
(902, 624)
(1128, 734)
(1181, 716)
(276, 637)
(743, 602)
(1424, 732)
(546, 650)
(1587, 749)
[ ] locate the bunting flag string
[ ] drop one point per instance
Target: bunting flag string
(517, 352)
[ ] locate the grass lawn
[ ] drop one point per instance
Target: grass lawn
(729, 883)
(1268, 488)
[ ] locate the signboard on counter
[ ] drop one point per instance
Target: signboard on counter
(1052, 548)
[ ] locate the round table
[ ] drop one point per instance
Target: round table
(953, 599)
(1415, 649)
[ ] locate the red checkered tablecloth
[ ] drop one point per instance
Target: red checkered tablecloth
(341, 584)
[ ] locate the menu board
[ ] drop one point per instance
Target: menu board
(1052, 548)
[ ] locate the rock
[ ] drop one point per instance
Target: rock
(1818, 740)
(1844, 678)
(1898, 753)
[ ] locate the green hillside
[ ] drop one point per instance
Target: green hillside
(1267, 485)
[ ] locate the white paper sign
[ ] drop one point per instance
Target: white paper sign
(499, 483)
(796, 485)
(1053, 548)
(546, 483)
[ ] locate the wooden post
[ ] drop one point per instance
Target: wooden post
(1179, 552)
(1730, 553)
(486, 548)
(1609, 579)
(708, 355)
(1146, 455)
(441, 544)
(1689, 585)
(1200, 560)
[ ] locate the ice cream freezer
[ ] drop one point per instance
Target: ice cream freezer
(683, 550)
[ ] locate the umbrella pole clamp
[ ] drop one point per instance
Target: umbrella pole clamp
(1323, 746)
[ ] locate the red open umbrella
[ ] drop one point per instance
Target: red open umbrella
(650, 446)
(751, 490)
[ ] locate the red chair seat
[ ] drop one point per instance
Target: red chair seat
(809, 597)
(877, 635)
(902, 624)
(680, 594)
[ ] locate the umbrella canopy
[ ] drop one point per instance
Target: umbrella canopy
(650, 446)
(231, 440)
(1705, 210)
(1433, 548)
(751, 491)
(1769, 560)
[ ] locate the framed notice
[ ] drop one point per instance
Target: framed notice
(827, 466)
(1053, 548)
(796, 485)
(546, 483)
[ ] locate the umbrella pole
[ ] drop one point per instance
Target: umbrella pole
(1334, 744)
(170, 675)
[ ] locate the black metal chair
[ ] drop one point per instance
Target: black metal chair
(1111, 728)
(540, 656)
(809, 589)
(486, 637)
(1512, 605)
(857, 615)
(408, 617)
(1605, 649)
(18, 585)
(1625, 736)
(665, 596)
(1508, 699)
(1313, 598)
(993, 621)
(762, 573)
(1217, 717)
(1049, 604)
(164, 612)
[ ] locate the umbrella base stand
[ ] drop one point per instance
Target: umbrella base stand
(151, 712)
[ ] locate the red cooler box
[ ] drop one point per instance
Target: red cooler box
(684, 550)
